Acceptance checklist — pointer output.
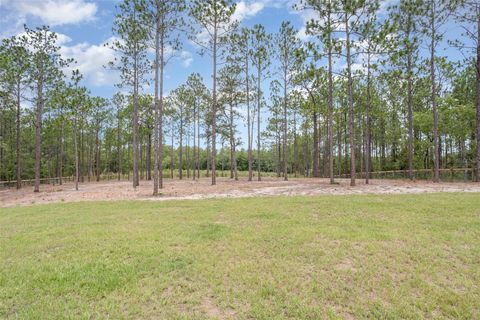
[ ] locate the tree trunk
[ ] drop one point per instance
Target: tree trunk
(410, 116)
(316, 152)
(214, 107)
(38, 132)
(436, 142)
(180, 152)
(62, 142)
(249, 121)
(285, 127)
(172, 162)
(77, 158)
(198, 144)
(195, 160)
(330, 107)
(157, 110)
(368, 151)
(135, 124)
(478, 96)
(97, 155)
(295, 146)
(18, 164)
(188, 153)
(119, 146)
(351, 112)
(259, 101)
(148, 160)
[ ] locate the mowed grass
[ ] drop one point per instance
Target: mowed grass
(327, 257)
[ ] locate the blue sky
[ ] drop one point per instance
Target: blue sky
(84, 26)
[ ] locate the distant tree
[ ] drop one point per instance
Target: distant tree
(215, 20)
(323, 27)
(435, 14)
(199, 100)
(287, 48)
(44, 72)
(231, 96)
(468, 15)
(164, 19)
(240, 54)
(375, 39)
(131, 45)
(405, 16)
(352, 12)
(261, 48)
(14, 66)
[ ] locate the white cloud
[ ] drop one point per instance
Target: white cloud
(187, 58)
(53, 12)
(247, 10)
(90, 60)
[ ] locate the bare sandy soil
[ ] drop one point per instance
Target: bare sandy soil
(188, 189)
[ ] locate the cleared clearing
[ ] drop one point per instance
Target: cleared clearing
(225, 188)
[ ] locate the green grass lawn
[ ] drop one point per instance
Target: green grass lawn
(328, 257)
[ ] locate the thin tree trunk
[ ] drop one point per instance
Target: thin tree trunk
(77, 158)
(160, 112)
(172, 162)
(180, 153)
(330, 107)
(188, 153)
(198, 144)
(62, 143)
(38, 132)
(249, 121)
(135, 123)
(436, 142)
(368, 151)
(410, 105)
(157, 111)
(316, 152)
(148, 159)
(285, 127)
(478, 95)
(214, 107)
(295, 146)
(97, 155)
(195, 162)
(119, 146)
(18, 164)
(351, 112)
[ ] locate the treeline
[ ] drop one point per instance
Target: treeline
(369, 90)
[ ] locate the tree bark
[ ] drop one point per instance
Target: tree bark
(135, 123)
(180, 152)
(77, 160)
(368, 151)
(18, 164)
(157, 111)
(259, 101)
(351, 112)
(436, 142)
(285, 126)
(214, 107)
(316, 152)
(330, 107)
(410, 102)
(38, 131)
(478, 96)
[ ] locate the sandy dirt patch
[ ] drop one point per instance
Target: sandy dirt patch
(225, 188)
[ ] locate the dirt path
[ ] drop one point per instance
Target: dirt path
(187, 189)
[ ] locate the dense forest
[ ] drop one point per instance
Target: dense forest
(370, 91)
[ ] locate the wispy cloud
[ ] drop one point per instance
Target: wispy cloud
(52, 12)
